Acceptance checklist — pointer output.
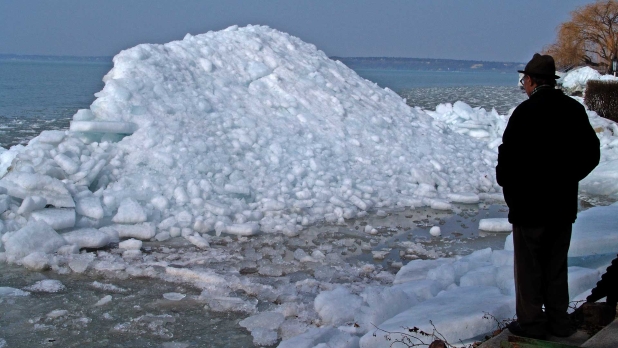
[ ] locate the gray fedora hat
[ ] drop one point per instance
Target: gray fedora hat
(541, 66)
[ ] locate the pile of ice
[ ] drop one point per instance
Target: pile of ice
(474, 122)
(238, 131)
(576, 79)
(488, 126)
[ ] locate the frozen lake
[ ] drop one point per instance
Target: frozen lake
(138, 315)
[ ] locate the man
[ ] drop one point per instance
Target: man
(547, 147)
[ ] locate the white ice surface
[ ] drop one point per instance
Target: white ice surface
(495, 225)
(35, 236)
(457, 314)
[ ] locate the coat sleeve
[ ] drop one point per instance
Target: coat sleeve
(506, 152)
(587, 151)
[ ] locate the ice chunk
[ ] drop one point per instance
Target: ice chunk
(495, 225)
(46, 285)
(130, 244)
(417, 269)
(337, 306)
(438, 204)
(248, 229)
(435, 231)
(594, 232)
(89, 206)
(6, 291)
(51, 136)
(581, 279)
(36, 261)
(58, 219)
(68, 249)
(381, 304)
(30, 203)
(217, 208)
(5, 203)
(198, 241)
(103, 301)
(457, 314)
(321, 338)
(35, 236)
(103, 127)
(87, 238)
(464, 197)
(264, 320)
(174, 296)
(141, 231)
(22, 185)
(484, 276)
(80, 263)
(57, 313)
(130, 212)
(67, 164)
(264, 337)
(230, 304)
(423, 289)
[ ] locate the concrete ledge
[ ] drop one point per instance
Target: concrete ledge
(606, 338)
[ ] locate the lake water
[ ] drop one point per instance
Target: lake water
(36, 96)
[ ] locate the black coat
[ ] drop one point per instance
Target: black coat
(547, 147)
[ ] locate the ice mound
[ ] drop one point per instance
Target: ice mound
(576, 79)
(240, 131)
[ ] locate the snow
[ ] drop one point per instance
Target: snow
(251, 134)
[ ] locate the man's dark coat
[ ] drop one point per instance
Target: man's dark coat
(548, 146)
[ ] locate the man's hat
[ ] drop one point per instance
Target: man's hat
(541, 66)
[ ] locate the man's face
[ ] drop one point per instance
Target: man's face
(528, 84)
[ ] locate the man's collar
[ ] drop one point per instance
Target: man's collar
(541, 88)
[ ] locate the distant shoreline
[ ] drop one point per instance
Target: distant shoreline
(427, 64)
(37, 58)
(387, 63)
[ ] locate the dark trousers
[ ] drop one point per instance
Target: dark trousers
(541, 276)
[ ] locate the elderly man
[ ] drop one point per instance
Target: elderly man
(548, 146)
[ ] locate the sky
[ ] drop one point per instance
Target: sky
(488, 30)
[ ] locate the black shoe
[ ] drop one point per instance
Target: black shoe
(517, 330)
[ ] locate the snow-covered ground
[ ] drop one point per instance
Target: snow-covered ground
(223, 147)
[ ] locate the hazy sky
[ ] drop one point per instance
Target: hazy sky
(493, 30)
